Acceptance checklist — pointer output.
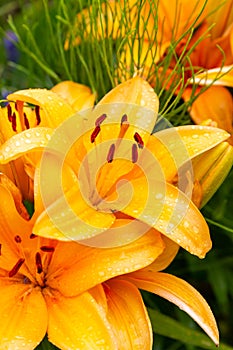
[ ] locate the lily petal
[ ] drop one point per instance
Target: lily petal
(180, 293)
(169, 211)
(170, 251)
(23, 316)
(79, 96)
(216, 103)
(97, 265)
(128, 316)
(211, 168)
(217, 76)
(28, 140)
(78, 323)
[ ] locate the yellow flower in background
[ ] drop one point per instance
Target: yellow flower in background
(84, 297)
(112, 146)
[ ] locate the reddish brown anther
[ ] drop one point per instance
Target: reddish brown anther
(13, 121)
(124, 119)
(39, 263)
(134, 153)
(18, 239)
(139, 140)
(111, 153)
(0, 249)
(32, 235)
(9, 112)
(37, 111)
(100, 119)
(26, 122)
(95, 133)
(47, 249)
(16, 268)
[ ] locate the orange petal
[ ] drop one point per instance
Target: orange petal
(6, 182)
(180, 293)
(79, 96)
(128, 316)
(215, 103)
(76, 268)
(78, 323)
(167, 256)
(217, 76)
(169, 211)
(23, 316)
(26, 141)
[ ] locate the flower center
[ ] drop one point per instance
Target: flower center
(30, 268)
(118, 161)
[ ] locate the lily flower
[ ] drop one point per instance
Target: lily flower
(84, 297)
(99, 153)
(68, 98)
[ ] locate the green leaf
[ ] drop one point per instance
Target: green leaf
(168, 327)
(46, 345)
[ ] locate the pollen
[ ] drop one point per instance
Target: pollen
(100, 119)
(134, 153)
(139, 140)
(111, 153)
(95, 133)
(16, 268)
(38, 263)
(18, 239)
(124, 119)
(37, 111)
(47, 249)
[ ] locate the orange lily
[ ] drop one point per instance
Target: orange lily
(68, 98)
(70, 291)
(98, 206)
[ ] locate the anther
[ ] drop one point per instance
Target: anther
(37, 111)
(124, 119)
(16, 268)
(95, 133)
(9, 112)
(100, 119)
(26, 122)
(139, 140)
(47, 249)
(32, 235)
(18, 239)
(134, 153)
(0, 249)
(13, 121)
(39, 263)
(111, 153)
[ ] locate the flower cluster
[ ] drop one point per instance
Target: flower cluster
(115, 195)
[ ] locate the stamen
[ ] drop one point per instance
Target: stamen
(18, 239)
(124, 119)
(9, 111)
(100, 119)
(0, 249)
(26, 122)
(95, 133)
(39, 263)
(47, 249)
(37, 111)
(111, 153)
(16, 268)
(32, 235)
(13, 121)
(134, 153)
(139, 140)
